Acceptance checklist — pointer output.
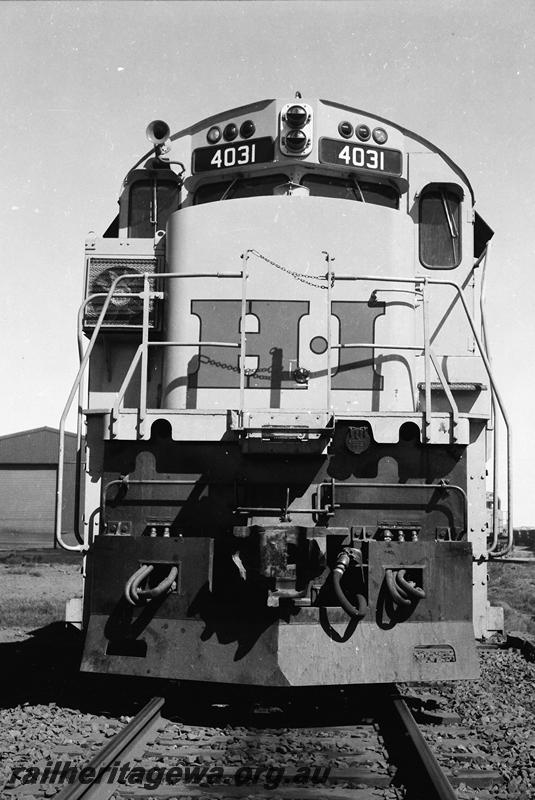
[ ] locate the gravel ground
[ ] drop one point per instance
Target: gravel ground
(40, 735)
(48, 710)
(500, 709)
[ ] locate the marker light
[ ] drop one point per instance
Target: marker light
(296, 141)
(363, 132)
(247, 129)
(296, 116)
(214, 135)
(380, 135)
(296, 130)
(345, 129)
(230, 132)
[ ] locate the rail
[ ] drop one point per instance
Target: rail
(430, 772)
(394, 743)
(120, 747)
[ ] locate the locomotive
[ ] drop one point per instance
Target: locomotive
(288, 407)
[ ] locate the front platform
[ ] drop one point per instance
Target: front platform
(194, 633)
(286, 653)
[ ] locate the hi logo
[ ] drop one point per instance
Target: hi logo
(276, 346)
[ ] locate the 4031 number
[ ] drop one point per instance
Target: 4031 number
(234, 156)
(237, 154)
(362, 157)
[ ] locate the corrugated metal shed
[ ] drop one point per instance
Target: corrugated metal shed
(28, 475)
(36, 446)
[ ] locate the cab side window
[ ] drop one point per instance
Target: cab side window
(440, 227)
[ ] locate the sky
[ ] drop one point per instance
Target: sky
(80, 82)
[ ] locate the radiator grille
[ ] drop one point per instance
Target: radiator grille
(123, 312)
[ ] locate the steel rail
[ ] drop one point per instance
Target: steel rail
(431, 770)
(124, 741)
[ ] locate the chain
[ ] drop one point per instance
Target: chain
(213, 363)
(303, 277)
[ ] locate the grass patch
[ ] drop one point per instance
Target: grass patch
(43, 556)
(34, 573)
(30, 614)
(513, 587)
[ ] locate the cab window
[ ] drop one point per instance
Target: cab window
(351, 188)
(239, 187)
(150, 204)
(440, 227)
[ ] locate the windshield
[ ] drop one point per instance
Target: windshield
(250, 186)
(351, 188)
(347, 188)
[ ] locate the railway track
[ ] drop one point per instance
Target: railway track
(362, 746)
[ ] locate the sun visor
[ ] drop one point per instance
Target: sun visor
(482, 235)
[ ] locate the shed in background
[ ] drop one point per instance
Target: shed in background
(28, 475)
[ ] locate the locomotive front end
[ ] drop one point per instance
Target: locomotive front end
(287, 408)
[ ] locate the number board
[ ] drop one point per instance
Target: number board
(235, 154)
(360, 156)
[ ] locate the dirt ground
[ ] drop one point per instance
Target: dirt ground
(34, 595)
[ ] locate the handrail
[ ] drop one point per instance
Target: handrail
(126, 482)
(144, 347)
(138, 356)
(432, 357)
(483, 259)
(445, 487)
(243, 336)
(497, 396)
(494, 389)
(427, 377)
(419, 283)
(329, 260)
(76, 387)
(61, 447)
(447, 391)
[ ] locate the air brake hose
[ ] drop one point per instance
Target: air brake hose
(135, 596)
(162, 588)
(397, 594)
(130, 591)
(342, 562)
(409, 587)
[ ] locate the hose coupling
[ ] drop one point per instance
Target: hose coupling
(345, 557)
